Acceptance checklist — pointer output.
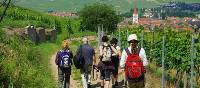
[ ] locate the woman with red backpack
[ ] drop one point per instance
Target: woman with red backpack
(133, 60)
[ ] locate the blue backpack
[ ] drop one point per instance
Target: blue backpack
(65, 59)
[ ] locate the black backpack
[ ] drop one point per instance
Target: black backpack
(79, 59)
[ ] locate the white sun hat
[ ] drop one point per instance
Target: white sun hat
(132, 37)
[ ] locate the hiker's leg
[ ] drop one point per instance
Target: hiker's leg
(140, 84)
(116, 71)
(131, 85)
(102, 77)
(113, 79)
(89, 75)
(116, 77)
(67, 80)
(125, 81)
(60, 77)
(102, 83)
(107, 77)
(107, 83)
(84, 80)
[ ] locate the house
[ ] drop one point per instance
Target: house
(64, 14)
(198, 15)
(194, 23)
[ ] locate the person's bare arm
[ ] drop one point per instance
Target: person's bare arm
(115, 52)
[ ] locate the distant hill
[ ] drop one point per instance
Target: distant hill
(75, 5)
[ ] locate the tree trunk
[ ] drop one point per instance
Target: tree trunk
(4, 12)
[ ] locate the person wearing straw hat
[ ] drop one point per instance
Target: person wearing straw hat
(64, 61)
(135, 52)
(88, 55)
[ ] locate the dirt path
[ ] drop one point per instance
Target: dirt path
(73, 83)
(151, 80)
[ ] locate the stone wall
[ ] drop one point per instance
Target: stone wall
(32, 34)
(39, 35)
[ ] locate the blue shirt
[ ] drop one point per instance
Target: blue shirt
(88, 53)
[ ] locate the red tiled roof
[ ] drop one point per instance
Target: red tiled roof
(63, 14)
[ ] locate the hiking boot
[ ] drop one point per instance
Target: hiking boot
(113, 86)
(89, 86)
(116, 83)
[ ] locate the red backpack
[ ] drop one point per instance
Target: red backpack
(134, 68)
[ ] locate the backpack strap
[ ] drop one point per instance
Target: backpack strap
(109, 46)
(127, 51)
(81, 49)
(61, 51)
(138, 50)
(103, 46)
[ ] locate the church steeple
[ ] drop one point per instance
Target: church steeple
(135, 14)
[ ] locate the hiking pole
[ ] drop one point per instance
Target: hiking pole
(119, 39)
(99, 35)
(127, 34)
(94, 67)
(93, 72)
(163, 61)
(192, 62)
(142, 39)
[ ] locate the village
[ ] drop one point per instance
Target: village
(152, 20)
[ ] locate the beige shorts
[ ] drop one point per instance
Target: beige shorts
(139, 84)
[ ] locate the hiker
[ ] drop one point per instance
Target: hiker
(115, 60)
(88, 59)
(64, 61)
(133, 60)
(105, 65)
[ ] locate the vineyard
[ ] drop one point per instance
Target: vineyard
(177, 53)
(174, 56)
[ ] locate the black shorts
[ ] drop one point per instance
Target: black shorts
(115, 61)
(105, 74)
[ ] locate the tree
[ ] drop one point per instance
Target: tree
(6, 7)
(69, 28)
(97, 15)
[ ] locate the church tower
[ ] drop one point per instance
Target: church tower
(135, 16)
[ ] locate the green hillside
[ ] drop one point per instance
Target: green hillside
(75, 5)
(24, 64)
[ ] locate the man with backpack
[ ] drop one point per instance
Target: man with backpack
(105, 65)
(87, 59)
(64, 61)
(133, 60)
(115, 60)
